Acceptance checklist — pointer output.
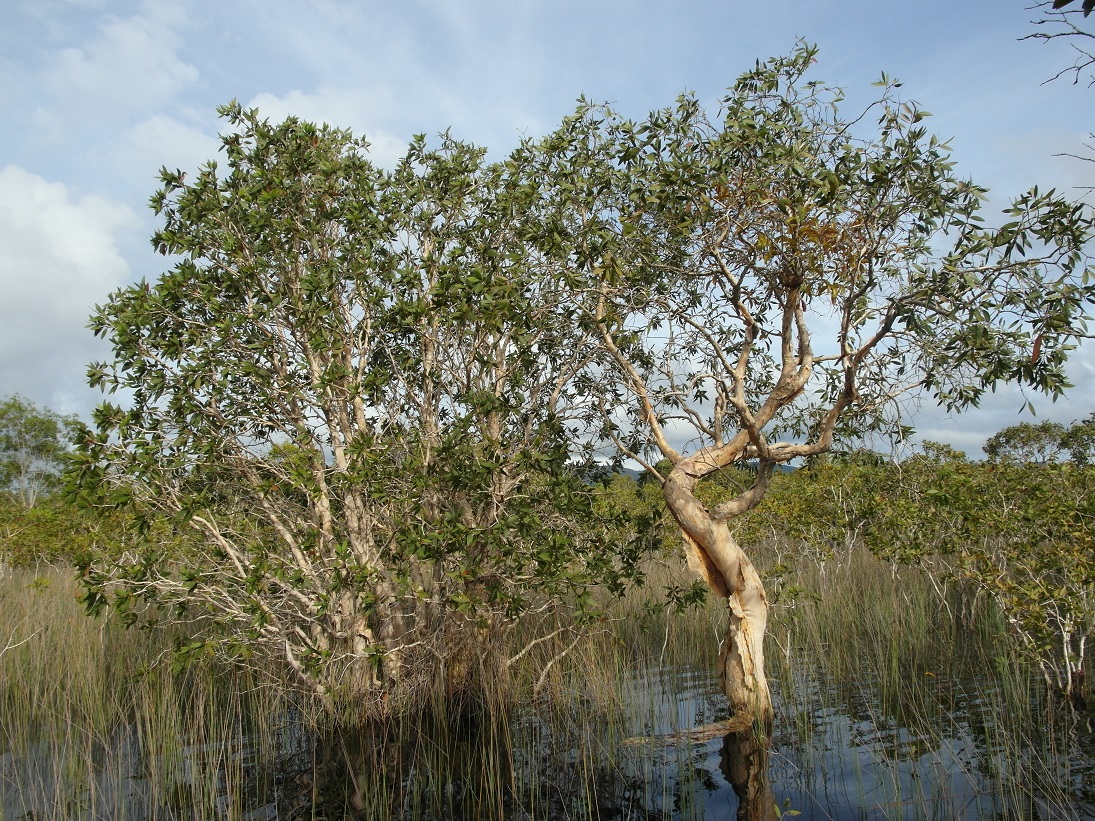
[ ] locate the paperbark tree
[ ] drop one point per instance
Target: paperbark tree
(352, 390)
(767, 281)
(33, 443)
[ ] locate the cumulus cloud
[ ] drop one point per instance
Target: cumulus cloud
(59, 256)
(162, 140)
(131, 64)
(1008, 406)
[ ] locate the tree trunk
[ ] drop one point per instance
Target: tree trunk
(741, 658)
(713, 553)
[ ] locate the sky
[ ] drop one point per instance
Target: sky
(97, 95)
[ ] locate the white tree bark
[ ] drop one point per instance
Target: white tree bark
(716, 556)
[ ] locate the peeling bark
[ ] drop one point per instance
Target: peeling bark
(713, 553)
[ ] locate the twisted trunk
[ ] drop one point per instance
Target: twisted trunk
(713, 553)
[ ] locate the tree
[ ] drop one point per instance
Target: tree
(353, 391)
(1043, 443)
(1079, 441)
(769, 281)
(33, 444)
(1018, 531)
(1027, 443)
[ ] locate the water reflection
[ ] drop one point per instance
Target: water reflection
(744, 763)
(927, 747)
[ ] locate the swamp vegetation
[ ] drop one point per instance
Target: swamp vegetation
(890, 704)
(364, 392)
(911, 675)
(360, 538)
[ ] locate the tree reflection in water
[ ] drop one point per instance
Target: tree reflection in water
(744, 762)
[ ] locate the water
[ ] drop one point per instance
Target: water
(937, 749)
(927, 748)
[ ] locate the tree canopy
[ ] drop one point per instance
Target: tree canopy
(786, 267)
(767, 281)
(1044, 443)
(368, 393)
(33, 443)
(353, 389)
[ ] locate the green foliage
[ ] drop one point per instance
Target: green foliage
(776, 278)
(1079, 441)
(33, 444)
(1019, 532)
(1027, 443)
(37, 525)
(771, 268)
(51, 531)
(353, 387)
(1044, 443)
(1022, 533)
(366, 391)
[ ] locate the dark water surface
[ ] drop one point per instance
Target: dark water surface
(927, 747)
(934, 748)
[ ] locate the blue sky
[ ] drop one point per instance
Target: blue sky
(96, 95)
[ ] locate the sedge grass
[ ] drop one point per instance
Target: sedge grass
(93, 726)
(943, 717)
(869, 659)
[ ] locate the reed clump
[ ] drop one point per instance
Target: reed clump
(95, 724)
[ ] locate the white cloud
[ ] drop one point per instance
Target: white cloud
(1008, 406)
(130, 65)
(58, 257)
(161, 140)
